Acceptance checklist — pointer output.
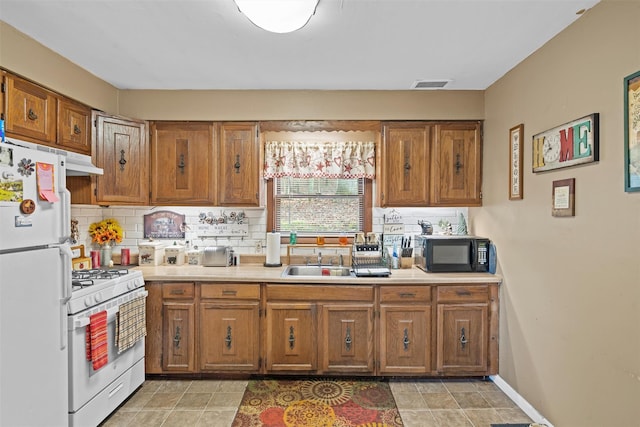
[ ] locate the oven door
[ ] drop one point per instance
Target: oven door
(84, 382)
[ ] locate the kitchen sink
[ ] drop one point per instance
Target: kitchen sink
(316, 270)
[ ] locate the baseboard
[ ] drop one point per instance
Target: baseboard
(520, 401)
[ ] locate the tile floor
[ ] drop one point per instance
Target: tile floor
(213, 403)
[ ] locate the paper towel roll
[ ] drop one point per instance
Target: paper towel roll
(273, 250)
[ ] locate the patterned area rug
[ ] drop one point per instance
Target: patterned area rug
(317, 402)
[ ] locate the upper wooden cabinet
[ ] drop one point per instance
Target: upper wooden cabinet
(456, 173)
(404, 175)
(182, 166)
(74, 126)
(29, 110)
(239, 178)
(122, 151)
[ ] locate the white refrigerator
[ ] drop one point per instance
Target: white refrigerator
(35, 285)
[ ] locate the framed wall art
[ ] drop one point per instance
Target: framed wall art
(563, 197)
(516, 136)
(632, 132)
(570, 144)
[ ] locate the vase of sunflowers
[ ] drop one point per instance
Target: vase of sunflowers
(106, 233)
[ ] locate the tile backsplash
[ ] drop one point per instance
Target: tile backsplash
(131, 219)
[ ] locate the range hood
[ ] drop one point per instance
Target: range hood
(76, 164)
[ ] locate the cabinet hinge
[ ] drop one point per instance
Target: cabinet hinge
(1, 116)
(95, 123)
(2, 87)
(95, 192)
(378, 364)
(259, 362)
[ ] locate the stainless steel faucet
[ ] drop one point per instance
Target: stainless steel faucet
(319, 258)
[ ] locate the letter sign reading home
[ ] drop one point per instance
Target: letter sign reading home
(571, 144)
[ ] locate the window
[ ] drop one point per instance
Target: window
(321, 205)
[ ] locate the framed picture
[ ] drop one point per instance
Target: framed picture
(563, 197)
(570, 144)
(632, 132)
(516, 136)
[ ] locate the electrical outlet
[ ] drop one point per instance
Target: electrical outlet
(259, 246)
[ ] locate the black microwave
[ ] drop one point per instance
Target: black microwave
(452, 254)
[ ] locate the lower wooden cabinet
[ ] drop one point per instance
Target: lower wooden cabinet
(291, 337)
(347, 338)
(405, 330)
(229, 327)
(284, 329)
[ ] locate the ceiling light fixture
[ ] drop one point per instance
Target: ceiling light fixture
(278, 16)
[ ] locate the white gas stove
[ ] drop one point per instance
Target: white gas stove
(94, 287)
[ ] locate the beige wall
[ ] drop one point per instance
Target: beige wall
(570, 325)
(294, 105)
(28, 58)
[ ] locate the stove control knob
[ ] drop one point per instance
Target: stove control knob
(88, 302)
(131, 285)
(98, 297)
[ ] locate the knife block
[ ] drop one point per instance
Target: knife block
(406, 262)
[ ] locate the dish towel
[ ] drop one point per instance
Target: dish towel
(96, 340)
(131, 323)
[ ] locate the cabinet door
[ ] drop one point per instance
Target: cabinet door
(123, 152)
(229, 339)
(30, 111)
(182, 166)
(405, 338)
(153, 340)
(457, 157)
(347, 338)
(178, 336)
(462, 338)
(240, 166)
(291, 337)
(405, 167)
(74, 126)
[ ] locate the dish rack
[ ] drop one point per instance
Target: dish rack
(369, 261)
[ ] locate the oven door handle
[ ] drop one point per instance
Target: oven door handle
(84, 321)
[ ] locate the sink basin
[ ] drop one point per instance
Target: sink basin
(316, 270)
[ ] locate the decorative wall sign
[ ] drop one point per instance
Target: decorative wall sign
(222, 230)
(570, 144)
(632, 132)
(516, 136)
(164, 225)
(563, 197)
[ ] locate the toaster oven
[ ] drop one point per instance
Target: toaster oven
(216, 256)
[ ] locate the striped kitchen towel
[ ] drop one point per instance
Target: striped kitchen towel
(96, 340)
(131, 323)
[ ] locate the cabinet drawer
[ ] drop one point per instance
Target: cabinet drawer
(463, 293)
(319, 293)
(405, 293)
(178, 291)
(230, 291)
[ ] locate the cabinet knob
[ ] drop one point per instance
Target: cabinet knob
(227, 339)
(292, 338)
(347, 340)
(181, 164)
(122, 160)
(406, 341)
(463, 338)
(177, 337)
(77, 130)
(32, 115)
(458, 165)
(236, 165)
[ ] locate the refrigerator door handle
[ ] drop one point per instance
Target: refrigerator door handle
(65, 293)
(65, 198)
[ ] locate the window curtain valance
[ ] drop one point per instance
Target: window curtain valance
(300, 159)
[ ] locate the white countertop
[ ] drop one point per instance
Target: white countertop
(257, 273)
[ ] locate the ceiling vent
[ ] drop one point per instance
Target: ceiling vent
(429, 84)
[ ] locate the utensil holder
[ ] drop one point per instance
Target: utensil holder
(406, 262)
